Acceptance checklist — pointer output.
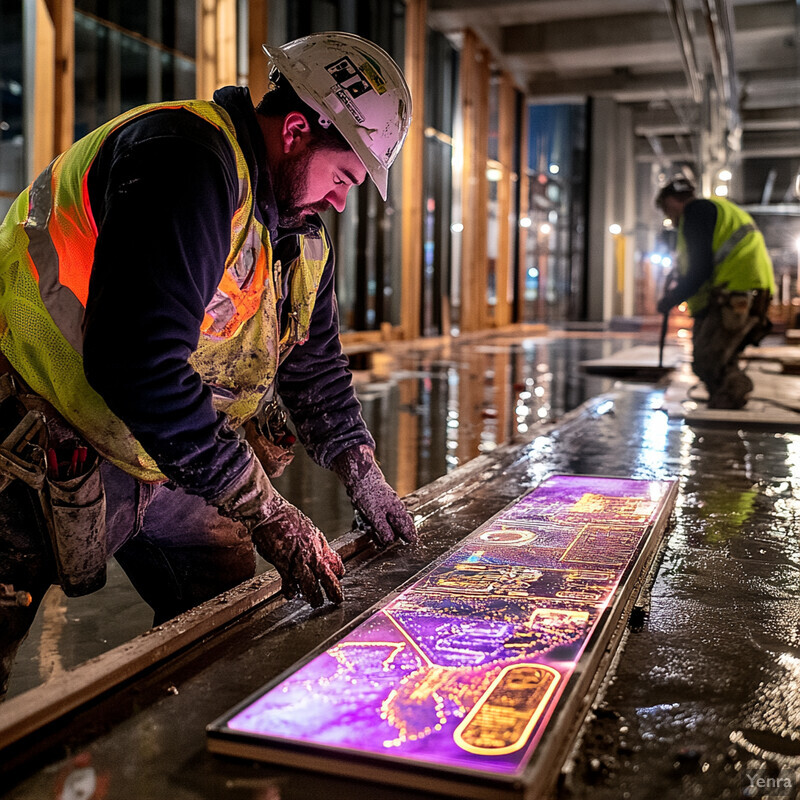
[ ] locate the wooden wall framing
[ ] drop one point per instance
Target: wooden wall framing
(258, 66)
(50, 68)
(524, 211)
(475, 76)
(216, 46)
(412, 166)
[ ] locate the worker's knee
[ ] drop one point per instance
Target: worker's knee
(17, 611)
(172, 579)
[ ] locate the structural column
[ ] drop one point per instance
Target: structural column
(609, 256)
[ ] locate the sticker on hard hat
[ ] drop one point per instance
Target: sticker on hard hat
(347, 75)
(346, 101)
(373, 75)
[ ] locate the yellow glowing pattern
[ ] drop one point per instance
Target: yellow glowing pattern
(502, 720)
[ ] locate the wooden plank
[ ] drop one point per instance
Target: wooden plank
(474, 191)
(206, 76)
(226, 72)
(773, 402)
(63, 15)
(641, 361)
(216, 45)
(468, 315)
(524, 212)
(258, 65)
(480, 217)
(412, 165)
(23, 715)
(42, 132)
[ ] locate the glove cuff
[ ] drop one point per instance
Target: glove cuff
(354, 464)
(250, 498)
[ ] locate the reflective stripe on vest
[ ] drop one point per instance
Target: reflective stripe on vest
(727, 247)
(47, 246)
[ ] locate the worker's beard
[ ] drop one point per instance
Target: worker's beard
(290, 181)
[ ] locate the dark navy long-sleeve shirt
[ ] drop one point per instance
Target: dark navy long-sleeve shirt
(163, 190)
(699, 221)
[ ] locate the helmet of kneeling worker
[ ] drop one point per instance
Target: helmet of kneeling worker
(354, 85)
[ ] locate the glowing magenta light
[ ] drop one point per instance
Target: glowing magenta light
(462, 670)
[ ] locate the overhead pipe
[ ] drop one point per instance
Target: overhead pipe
(683, 29)
(719, 24)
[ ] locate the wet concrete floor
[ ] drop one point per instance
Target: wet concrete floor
(704, 700)
(430, 409)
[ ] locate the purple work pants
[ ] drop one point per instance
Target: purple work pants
(177, 550)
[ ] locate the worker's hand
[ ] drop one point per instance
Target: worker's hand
(298, 549)
(664, 304)
(380, 511)
(284, 536)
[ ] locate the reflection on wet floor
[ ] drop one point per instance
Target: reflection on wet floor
(430, 408)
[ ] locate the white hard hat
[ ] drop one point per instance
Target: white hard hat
(357, 86)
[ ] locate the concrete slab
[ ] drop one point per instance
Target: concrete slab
(786, 357)
(703, 698)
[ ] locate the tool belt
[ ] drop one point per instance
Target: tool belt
(269, 435)
(757, 299)
(754, 303)
(40, 449)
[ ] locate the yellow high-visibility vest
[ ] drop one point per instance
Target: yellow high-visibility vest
(47, 243)
(741, 260)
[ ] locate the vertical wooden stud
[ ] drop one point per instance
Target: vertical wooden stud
(62, 13)
(216, 45)
(41, 127)
(258, 69)
(412, 163)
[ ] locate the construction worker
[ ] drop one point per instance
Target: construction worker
(724, 274)
(163, 284)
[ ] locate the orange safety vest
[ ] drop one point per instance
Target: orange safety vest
(47, 243)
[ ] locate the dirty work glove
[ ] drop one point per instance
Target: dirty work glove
(300, 553)
(380, 510)
(284, 536)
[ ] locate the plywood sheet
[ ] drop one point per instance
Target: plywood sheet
(773, 403)
(484, 661)
(636, 362)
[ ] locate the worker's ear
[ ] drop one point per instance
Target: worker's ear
(295, 132)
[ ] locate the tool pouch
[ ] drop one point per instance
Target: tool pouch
(76, 508)
(73, 506)
(269, 435)
(273, 457)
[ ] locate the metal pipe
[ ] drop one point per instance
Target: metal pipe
(719, 24)
(683, 28)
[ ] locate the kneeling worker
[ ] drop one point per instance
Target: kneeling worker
(726, 278)
(162, 284)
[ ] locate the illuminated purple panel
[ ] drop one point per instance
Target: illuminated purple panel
(462, 670)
